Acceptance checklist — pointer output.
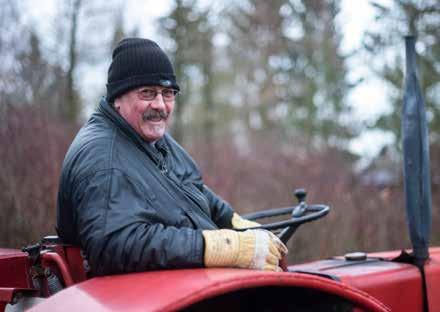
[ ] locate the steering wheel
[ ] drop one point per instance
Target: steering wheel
(300, 214)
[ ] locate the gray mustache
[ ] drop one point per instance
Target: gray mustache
(154, 114)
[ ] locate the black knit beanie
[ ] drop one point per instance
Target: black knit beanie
(138, 62)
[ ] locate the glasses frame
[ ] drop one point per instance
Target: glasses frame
(141, 95)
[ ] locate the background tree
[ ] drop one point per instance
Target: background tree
(206, 62)
(26, 77)
(72, 105)
(404, 17)
(288, 69)
(182, 28)
(256, 43)
(10, 23)
(35, 130)
(317, 92)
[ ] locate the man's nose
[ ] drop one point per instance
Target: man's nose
(158, 102)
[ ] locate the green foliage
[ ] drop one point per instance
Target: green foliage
(190, 35)
(28, 78)
(404, 17)
(288, 67)
(43, 67)
(278, 69)
(323, 73)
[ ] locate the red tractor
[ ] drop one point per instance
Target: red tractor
(51, 276)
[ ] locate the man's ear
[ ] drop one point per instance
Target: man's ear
(117, 104)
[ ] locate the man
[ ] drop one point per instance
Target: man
(132, 198)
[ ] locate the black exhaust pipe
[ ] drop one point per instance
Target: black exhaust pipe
(417, 178)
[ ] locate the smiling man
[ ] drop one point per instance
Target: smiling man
(132, 198)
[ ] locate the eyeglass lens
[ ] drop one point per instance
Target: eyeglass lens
(150, 94)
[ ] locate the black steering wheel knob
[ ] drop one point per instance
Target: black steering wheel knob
(300, 195)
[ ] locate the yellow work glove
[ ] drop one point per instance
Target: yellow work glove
(251, 249)
(239, 223)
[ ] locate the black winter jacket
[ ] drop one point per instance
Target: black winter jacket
(132, 206)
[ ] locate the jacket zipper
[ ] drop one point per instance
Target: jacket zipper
(194, 197)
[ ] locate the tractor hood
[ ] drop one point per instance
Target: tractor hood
(178, 289)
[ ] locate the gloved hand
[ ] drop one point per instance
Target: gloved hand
(251, 249)
(239, 223)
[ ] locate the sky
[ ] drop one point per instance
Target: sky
(368, 99)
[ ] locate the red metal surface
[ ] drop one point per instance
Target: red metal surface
(14, 269)
(51, 257)
(396, 284)
(75, 262)
(6, 294)
(399, 285)
(173, 290)
(372, 284)
(432, 273)
(14, 275)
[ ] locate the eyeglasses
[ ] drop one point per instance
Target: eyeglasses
(148, 94)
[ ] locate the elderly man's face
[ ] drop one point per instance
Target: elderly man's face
(148, 114)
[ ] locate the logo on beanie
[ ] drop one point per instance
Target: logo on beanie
(165, 83)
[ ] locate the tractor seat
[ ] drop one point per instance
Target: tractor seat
(68, 259)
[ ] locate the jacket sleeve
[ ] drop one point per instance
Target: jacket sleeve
(221, 211)
(119, 230)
